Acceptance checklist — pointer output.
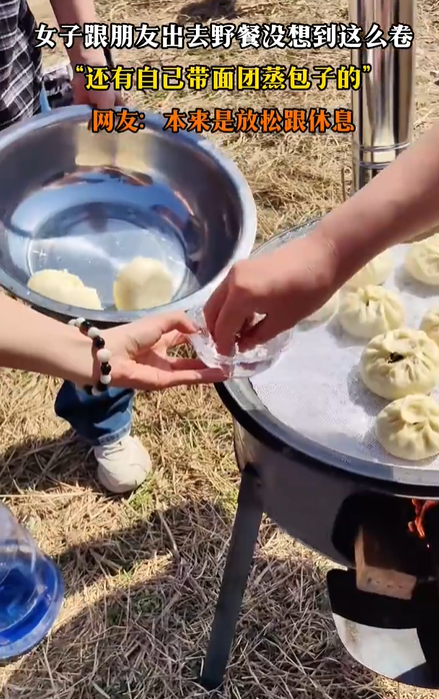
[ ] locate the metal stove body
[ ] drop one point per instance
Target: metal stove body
(386, 604)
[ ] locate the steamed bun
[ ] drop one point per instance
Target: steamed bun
(326, 311)
(399, 363)
(375, 272)
(430, 324)
(143, 283)
(408, 428)
(422, 261)
(370, 311)
(59, 285)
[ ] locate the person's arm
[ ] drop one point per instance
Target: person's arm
(397, 205)
(79, 12)
(83, 12)
(36, 343)
(291, 283)
(139, 351)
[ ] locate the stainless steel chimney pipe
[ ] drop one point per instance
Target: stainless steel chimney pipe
(383, 108)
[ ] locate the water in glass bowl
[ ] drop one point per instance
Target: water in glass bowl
(239, 365)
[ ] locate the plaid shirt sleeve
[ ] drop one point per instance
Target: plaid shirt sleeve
(20, 63)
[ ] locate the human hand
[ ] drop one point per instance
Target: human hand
(139, 354)
(285, 287)
(99, 99)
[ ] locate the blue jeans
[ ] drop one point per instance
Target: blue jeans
(98, 420)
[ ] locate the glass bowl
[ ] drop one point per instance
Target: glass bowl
(241, 364)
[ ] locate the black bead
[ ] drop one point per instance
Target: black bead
(98, 342)
(88, 390)
(85, 326)
(101, 386)
(105, 368)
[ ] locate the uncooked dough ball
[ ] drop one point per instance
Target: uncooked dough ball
(94, 149)
(408, 428)
(143, 283)
(422, 260)
(430, 324)
(326, 311)
(375, 272)
(370, 311)
(130, 151)
(399, 363)
(59, 285)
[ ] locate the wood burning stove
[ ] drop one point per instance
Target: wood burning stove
(381, 523)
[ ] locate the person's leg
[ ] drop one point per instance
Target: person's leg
(105, 423)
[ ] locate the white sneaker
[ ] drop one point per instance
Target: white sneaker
(123, 465)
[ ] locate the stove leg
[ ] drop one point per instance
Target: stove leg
(239, 560)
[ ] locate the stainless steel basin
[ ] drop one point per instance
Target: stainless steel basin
(91, 202)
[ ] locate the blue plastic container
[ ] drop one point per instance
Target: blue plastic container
(31, 590)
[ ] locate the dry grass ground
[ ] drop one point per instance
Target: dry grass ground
(142, 574)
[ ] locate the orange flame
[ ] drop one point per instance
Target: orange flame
(421, 506)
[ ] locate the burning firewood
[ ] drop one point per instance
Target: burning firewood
(388, 560)
(421, 507)
(380, 567)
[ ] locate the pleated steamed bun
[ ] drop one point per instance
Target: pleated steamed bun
(399, 363)
(375, 272)
(408, 428)
(370, 311)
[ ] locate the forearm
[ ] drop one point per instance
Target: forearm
(399, 204)
(79, 12)
(33, 342)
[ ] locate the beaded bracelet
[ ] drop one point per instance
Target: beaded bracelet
(102, 355)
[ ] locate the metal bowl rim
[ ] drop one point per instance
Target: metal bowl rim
(243, 247)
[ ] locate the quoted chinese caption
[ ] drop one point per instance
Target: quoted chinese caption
(199, 77)
(241, 78)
